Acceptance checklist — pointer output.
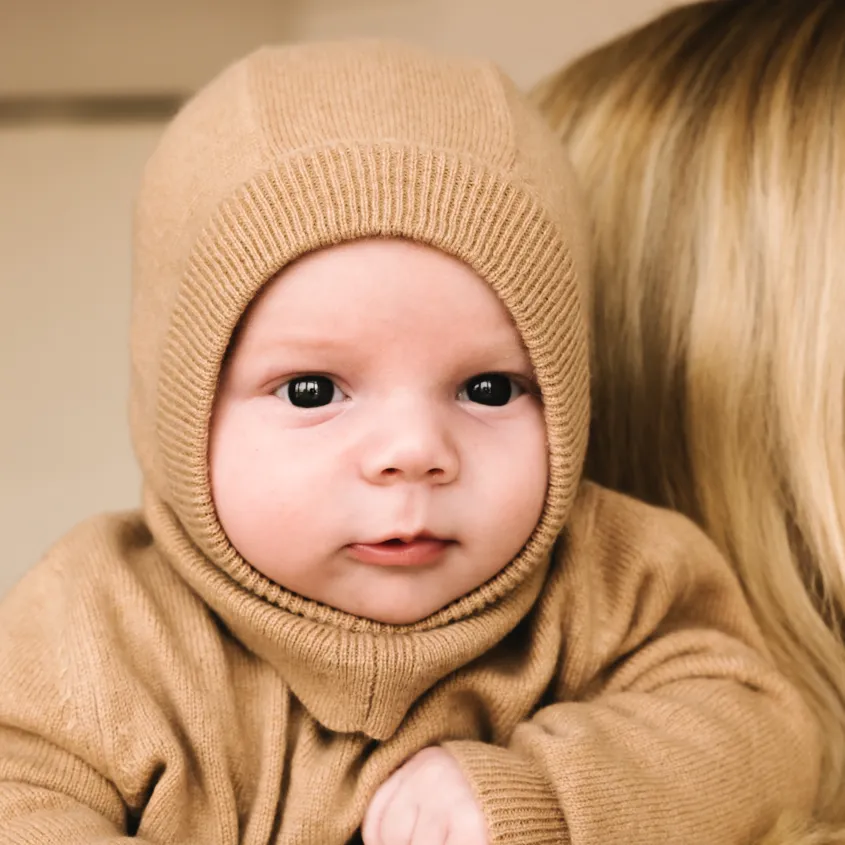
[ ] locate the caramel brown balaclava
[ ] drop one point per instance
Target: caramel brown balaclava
(297, 148)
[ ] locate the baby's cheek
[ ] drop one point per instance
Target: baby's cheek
(525, 473)
(272, 505)
(242, 478)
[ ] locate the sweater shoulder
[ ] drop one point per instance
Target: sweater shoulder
(101, 608)
(606, 513)
(618, 553)
(102, 641)
(631, 574)
(611, 530)
(105, 569)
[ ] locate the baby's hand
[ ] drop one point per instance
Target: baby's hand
(426, 802)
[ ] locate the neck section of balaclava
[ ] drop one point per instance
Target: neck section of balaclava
(294, 149)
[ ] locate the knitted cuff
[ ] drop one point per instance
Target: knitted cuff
(518, 803)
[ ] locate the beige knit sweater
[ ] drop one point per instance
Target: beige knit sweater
(608, 687)
(628, 705)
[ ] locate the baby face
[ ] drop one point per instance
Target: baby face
(378, 444)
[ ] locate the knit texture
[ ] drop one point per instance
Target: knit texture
(630, 705)
(607, 686)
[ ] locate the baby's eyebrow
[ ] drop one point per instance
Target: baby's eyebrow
(504, 356)
(493, 356)
(303, 341)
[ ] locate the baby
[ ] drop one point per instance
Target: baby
(368, 596)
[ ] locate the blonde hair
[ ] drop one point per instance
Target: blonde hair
(711, 147)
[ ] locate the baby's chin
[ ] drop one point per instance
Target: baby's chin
(391, 604)
(390, 595)
(390, 611)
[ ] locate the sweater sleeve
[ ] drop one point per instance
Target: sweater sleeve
(77, 765)
(667, 722)
(55, 787)
(51, 797)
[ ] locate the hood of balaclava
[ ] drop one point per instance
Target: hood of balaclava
(293, 149)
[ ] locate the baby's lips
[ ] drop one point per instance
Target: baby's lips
(408, 537)
(418, 551)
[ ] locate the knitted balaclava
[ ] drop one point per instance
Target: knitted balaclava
(296, 148)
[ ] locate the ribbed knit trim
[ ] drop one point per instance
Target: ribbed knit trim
(341, 193)
(361, 678)
(518, 803)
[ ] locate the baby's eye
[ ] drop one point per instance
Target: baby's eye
(310, 392)
(491, 389)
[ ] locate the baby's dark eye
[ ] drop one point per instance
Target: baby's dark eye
(310, 392)
(490, 389)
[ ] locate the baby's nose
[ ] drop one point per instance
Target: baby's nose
(413, 446)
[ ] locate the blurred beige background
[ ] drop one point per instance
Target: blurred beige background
(67, 193)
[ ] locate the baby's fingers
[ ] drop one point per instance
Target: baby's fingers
(404, 822)
(465, 828)
(371, 829)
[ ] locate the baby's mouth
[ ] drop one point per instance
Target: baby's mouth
(418, 550)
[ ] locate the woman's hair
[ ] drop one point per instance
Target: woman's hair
(711, 148)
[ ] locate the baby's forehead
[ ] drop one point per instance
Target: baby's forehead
(370, 291)
(366, 336)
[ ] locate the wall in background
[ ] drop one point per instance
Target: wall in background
(104, 45)
(67, 194)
